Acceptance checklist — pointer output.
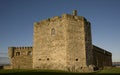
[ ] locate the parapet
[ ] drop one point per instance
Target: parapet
(11, 50)
(20, 48)
(48, 20)
(72, 16)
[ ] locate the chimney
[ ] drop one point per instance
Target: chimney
(74, 13)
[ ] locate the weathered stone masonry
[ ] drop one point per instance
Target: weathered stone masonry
(20, 57)
(61, 43)
(66, 47)
(102, 58)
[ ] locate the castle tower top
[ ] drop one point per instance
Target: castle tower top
(74, 12)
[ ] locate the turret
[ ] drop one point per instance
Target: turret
(74, 12)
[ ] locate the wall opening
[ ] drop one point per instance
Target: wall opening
(76, 59)
(52, 31)
(17, 53)
(48, 59)
(39, 59)
(29, 53)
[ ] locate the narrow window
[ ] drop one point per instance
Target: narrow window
(47, 58)
(52, 31)
(39, 59)
(76, 59)
(17, 53)
(29, 53)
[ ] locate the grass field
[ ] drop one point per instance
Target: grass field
(51, 72)
(111, 70)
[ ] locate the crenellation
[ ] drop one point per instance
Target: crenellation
(67, 16)
(72, 17)
(21, 48)
(43, 22)
(59, 18)
(36, 23)
(78, 18)
(55, 18)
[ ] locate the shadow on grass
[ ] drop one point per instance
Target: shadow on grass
(44, 73)
(53, 73)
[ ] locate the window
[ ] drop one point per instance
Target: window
(39, 59)
(76, 59)
(17, 53)
(29, 53)
(52, 31)
(47, 58)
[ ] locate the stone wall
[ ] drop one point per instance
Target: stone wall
(20, 57)
(76, 58)
(61, 43)
(88, 43)
(78, 31)
(49, 47)
(102, 58)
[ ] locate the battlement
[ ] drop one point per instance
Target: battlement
(20, 48)
(73, 17)
(12, 50)
(62, 17)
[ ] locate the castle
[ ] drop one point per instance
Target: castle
(61, 43)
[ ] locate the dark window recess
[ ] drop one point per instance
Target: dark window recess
(39, 59)
(48, 59)
(17, 53)
(76, 59)
(29, 53)
(52, 31)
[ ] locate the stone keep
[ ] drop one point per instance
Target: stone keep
(63, 43)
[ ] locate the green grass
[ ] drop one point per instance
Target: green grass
(38, 72)
(111, 70)
(53, 72)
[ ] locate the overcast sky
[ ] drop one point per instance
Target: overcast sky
(17, 18)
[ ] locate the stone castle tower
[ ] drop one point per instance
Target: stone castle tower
(63, 43)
